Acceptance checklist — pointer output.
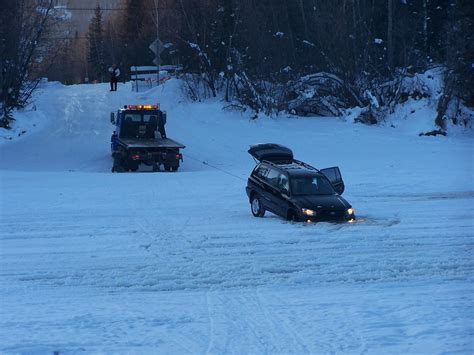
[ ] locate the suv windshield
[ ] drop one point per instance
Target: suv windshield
(311, 185)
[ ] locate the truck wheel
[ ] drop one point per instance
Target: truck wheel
(133, 166)
(174, 168)
(256, 206)
(167, 168)
(118, 167)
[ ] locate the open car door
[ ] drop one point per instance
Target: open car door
(271, 152)
(335, 178)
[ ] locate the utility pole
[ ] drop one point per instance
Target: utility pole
(425, 32)
(390, 35)
(157, 45)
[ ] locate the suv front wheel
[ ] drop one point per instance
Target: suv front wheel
(293, 216)
(256, 206)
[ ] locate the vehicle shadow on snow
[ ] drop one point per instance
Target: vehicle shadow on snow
(104, 163)
(359, 221)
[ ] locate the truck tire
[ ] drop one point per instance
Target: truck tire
(118, 165)
(174, 168)
(133, 165)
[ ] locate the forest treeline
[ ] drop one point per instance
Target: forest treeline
(302, 56)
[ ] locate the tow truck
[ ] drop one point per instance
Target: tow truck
(140, 138)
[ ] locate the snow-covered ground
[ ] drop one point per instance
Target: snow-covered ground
(92, 261)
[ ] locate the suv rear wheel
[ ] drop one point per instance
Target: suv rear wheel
(256, 206)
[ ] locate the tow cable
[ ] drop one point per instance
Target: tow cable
(215, 167)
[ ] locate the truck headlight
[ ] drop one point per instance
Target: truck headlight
(308, 212)
(350, 211)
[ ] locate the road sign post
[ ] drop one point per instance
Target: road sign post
(157, 48)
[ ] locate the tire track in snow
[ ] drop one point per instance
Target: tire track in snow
(224, 258)
(245, 317)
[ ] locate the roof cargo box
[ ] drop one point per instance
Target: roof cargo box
(271, 152)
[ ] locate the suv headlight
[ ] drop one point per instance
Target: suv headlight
(308, 212)
(350, 211)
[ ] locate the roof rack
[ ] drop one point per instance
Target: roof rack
(291, 164)
(307, 166)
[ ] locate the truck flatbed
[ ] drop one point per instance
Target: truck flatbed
(149, 143)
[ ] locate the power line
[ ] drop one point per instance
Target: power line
(90, 8)
(78, 37)
(102, 9)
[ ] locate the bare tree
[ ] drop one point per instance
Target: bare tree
(24, 25)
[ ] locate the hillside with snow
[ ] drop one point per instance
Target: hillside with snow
(97, 262)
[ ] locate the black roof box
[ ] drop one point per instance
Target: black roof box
(271, 152)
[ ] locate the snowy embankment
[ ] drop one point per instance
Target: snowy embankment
(174, 262)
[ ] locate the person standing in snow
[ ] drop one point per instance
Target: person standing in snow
(114, 74)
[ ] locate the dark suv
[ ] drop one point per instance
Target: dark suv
(295, 190)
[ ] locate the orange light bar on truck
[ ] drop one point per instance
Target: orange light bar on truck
(143, 107)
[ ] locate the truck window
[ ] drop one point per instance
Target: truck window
(129, 127)
(150, 118)
(133, 117)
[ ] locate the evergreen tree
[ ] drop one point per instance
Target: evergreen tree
(460, 49)
(137, 31)
(95, 37)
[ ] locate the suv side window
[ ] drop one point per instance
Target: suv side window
(283, 183)
(272, 177)
(262, 171)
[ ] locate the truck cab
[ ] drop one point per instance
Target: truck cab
(139, 123)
